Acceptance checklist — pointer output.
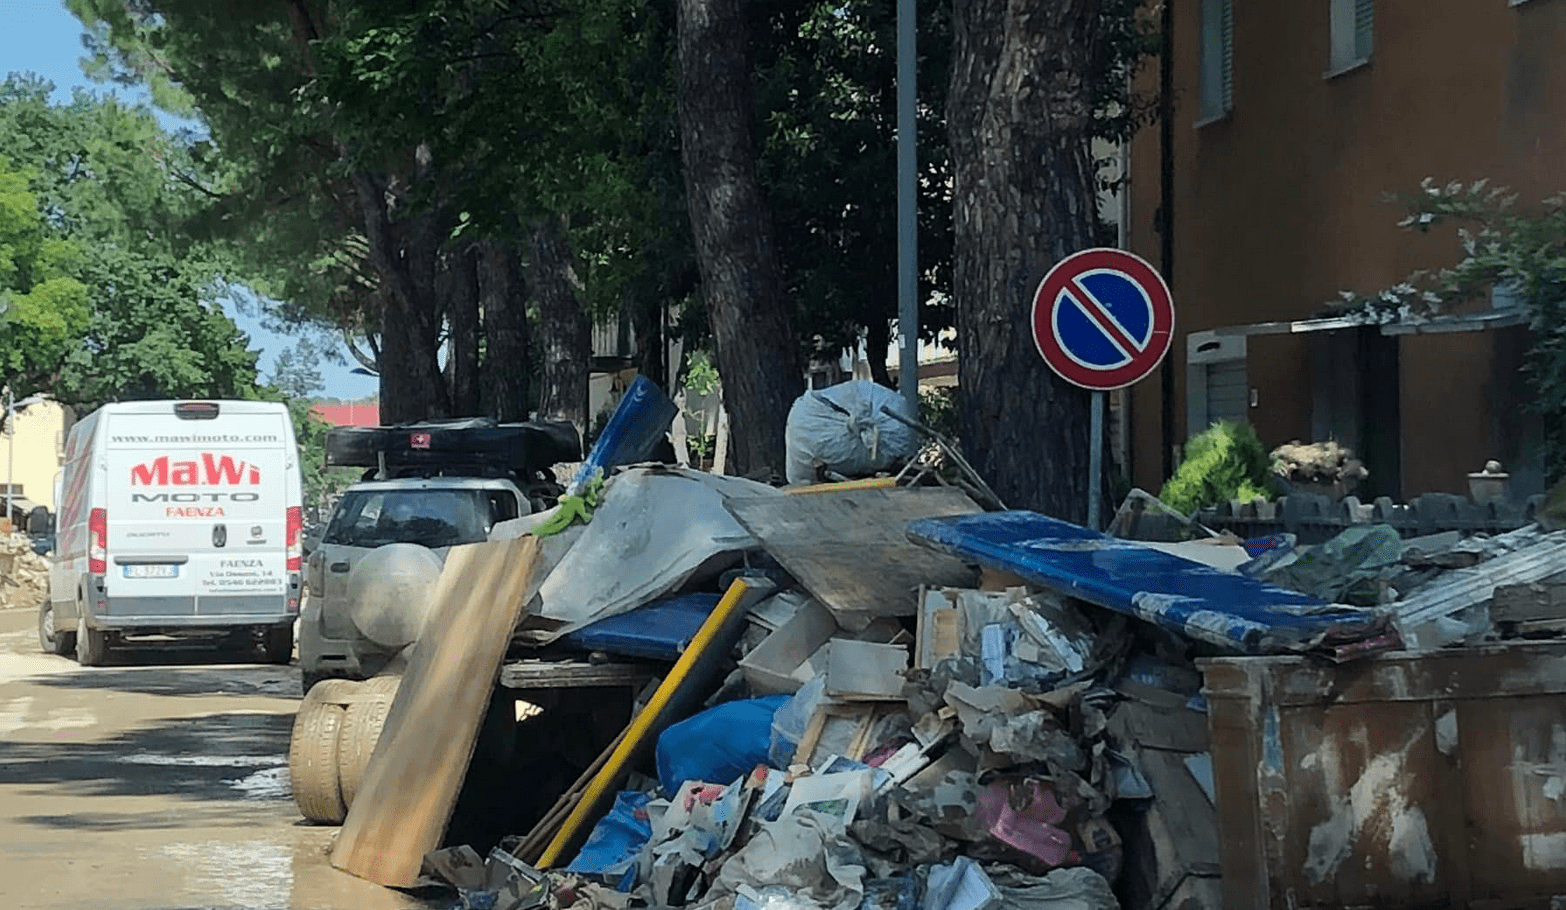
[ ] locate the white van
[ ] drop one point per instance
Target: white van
(176, 517)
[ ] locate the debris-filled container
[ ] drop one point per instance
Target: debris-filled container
(1413, 779)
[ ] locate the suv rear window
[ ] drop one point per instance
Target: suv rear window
(431, 518)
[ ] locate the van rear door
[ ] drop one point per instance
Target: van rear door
(197, 512)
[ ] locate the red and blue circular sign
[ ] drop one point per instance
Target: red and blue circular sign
(1103, 319)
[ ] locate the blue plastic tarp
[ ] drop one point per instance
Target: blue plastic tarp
(718, 746)
(632, 434)
(617, 840)
(1222, 608)
(658, 631)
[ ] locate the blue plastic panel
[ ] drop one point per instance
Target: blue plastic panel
(658, 631)
(1222, 608)
(632, 434)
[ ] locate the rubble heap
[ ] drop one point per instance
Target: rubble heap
(933, 705)
(25, 573)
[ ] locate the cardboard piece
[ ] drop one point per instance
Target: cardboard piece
(776, 666)
(836, 795)
(411, 782)
(861, 670)
(939, 635)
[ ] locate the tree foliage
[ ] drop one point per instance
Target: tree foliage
(157, 330)
(361, 157)
(45, 306)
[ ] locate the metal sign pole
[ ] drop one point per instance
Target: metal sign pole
(907, 207)
(1095, 459)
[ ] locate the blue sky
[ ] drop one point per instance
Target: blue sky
(43, 37)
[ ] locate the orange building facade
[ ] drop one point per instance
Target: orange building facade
(1292, 122)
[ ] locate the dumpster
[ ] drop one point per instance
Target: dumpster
(1431, 779)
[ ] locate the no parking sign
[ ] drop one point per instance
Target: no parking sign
(1103, 319)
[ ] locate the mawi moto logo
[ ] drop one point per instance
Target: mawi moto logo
(211, 471)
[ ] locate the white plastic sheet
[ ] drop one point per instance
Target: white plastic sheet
(843, 429)
(655, 528)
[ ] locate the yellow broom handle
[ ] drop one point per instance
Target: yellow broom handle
(639, 728)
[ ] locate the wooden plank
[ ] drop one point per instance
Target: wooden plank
(1172, 852)
(413, 777)
(1151, 726)
(1529, 603)
(571, 674)
(850, 549)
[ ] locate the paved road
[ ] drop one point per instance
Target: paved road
(159, 783)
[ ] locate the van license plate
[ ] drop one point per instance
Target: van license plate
(152, 571)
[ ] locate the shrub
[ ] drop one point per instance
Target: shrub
(1226, 461)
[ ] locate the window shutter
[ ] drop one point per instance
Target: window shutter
(1364, 28)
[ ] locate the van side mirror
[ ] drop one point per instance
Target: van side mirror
(39, 521)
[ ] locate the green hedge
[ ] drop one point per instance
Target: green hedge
(1226, 461)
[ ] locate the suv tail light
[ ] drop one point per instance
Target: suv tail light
(98, 542)
(295, 524)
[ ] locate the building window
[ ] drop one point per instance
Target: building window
(1217, 58)
(1353, 33)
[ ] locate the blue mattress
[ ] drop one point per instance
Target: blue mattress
(1232, 611)
(658, 631)
(632, 434)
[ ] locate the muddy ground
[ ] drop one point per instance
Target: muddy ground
(157, 783)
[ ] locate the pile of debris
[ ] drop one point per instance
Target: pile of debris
(897, 729)
(25, 573)
(888, 698)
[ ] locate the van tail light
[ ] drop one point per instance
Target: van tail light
(295, 525)
(98, 542)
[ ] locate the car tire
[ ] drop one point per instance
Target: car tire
(312, 755)
(92, 645)
(50, 638)
(277, 644)
(362, 726)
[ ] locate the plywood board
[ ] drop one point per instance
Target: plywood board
(412, 780)
(851, 551)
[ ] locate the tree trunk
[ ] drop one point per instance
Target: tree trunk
(508, 356)
(878, 337)
(753, 336)
(412, 387)
(562, 325)
(404, 252)
(462, 316)
(1018, 118)
(647, 325)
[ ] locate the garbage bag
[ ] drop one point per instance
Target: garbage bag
(617, 839)
(791, 719)
(721, 744)
(844, 429)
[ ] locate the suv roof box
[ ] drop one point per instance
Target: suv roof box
(530, 446)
